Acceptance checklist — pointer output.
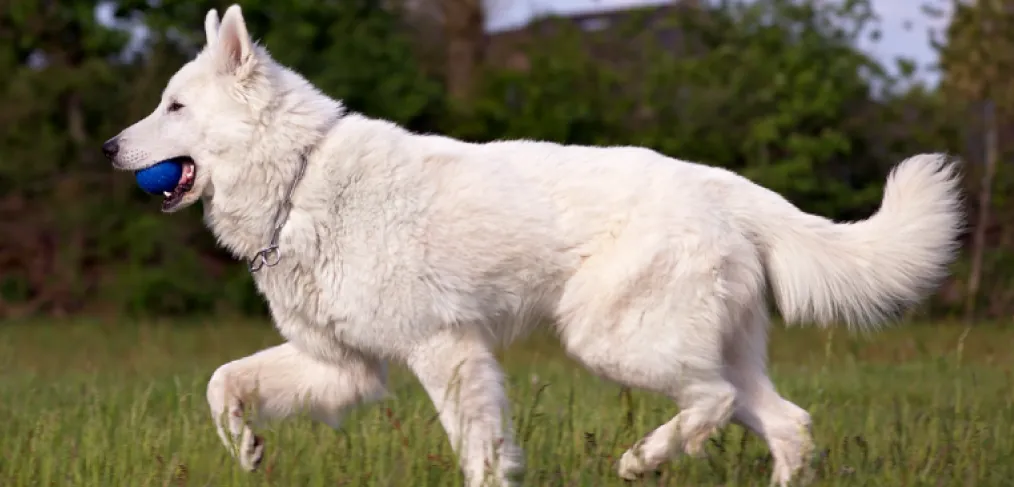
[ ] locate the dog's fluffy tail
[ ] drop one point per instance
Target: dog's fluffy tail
(863, 272)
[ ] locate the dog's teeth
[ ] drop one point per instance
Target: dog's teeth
(167, 194)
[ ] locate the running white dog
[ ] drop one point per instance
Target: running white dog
(374, 244)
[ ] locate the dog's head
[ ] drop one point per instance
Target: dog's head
(208, 114)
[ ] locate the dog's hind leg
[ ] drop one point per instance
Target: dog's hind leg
(660, 321)
(465, 383)
(646, 350)
(783, 425)
(706, 403)
(281, 381)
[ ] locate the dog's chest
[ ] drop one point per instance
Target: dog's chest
(310, 311)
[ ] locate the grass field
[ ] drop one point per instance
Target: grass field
(103, 405)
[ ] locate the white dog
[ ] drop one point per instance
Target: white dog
(374, 244)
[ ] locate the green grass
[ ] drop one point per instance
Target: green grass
(110, 405)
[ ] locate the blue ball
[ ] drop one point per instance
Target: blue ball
(161, 177)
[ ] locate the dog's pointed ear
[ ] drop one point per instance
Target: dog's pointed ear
(211, 27)
(234, 45)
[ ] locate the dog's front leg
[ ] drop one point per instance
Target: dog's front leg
(281, 381)
(465, 382)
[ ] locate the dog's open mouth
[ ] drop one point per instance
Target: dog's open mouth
(185, 184)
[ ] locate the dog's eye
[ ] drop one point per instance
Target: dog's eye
(175, 106)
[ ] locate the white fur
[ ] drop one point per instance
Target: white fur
(211, 25)
(433, 252)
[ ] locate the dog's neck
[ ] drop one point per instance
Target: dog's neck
(244, 209)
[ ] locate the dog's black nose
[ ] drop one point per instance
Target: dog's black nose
(110, 148)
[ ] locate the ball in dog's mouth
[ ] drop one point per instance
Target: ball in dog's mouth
(185, 184)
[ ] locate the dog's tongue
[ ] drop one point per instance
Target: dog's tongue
(186, 176)
(188, 173)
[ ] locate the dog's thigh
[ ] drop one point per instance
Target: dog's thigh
(281, 381)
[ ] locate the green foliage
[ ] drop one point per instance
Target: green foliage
(355, 50)
(541, 103)
(978, 54)
(773, 89)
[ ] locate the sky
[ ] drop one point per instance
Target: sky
(904, 28)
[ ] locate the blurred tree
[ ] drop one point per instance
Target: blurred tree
(354, 50)
(774, 89)
(978, 63)
(464, 24)
(57, 82)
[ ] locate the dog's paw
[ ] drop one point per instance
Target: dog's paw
(251, 451)
(630, 467)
